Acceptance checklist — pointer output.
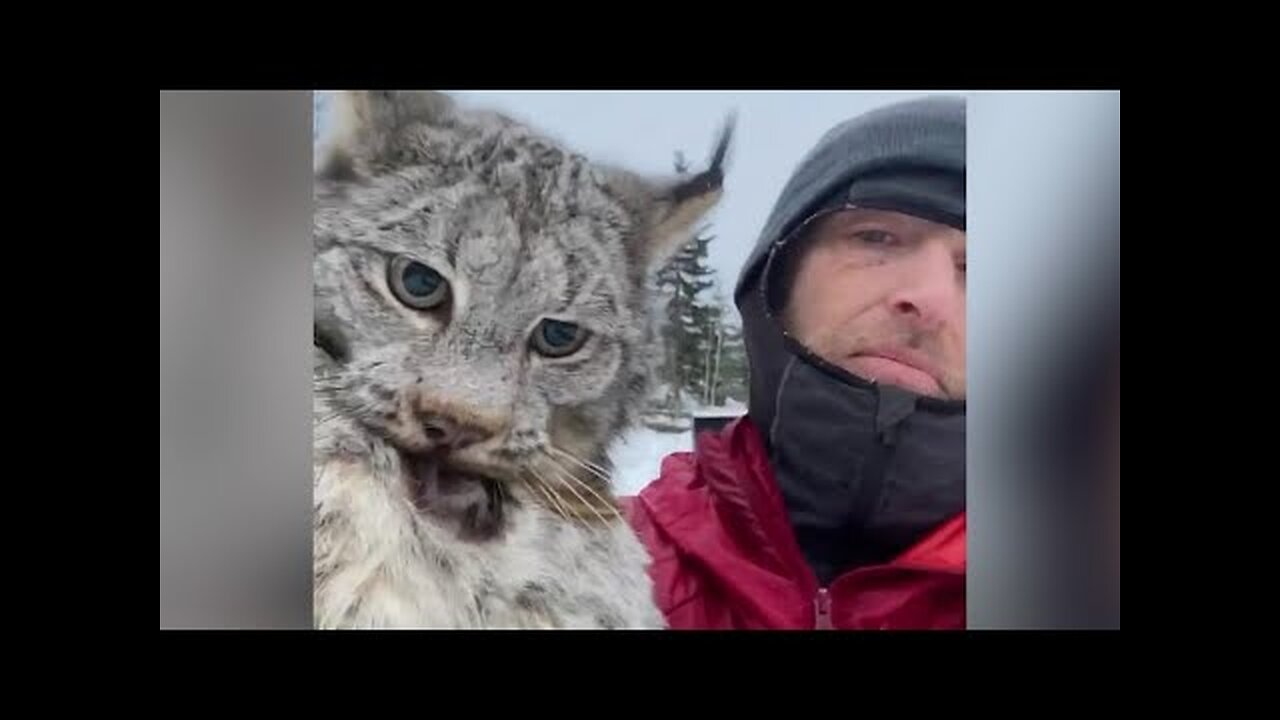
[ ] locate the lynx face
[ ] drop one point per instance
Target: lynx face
(480, 300)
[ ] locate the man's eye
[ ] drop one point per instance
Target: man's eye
(875, 237)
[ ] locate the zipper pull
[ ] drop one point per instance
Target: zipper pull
(822, 610)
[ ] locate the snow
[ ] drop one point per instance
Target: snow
(637, 456)
(731, 408)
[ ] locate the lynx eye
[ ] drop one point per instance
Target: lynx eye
(416, 284)
(556, 338)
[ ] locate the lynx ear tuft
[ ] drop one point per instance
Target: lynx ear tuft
(677, 207)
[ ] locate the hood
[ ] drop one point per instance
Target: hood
(865, 470)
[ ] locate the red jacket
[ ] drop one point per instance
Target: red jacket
(725, 557)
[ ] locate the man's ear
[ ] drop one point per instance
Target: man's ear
(373, 126)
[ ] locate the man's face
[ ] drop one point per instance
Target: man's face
(881, 294)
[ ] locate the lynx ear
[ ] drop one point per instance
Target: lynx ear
(675, 208)
(369, 125)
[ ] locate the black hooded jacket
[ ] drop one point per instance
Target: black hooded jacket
(865, 470)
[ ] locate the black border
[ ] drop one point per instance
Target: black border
(561, 61)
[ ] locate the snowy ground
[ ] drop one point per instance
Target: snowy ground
(638, 455)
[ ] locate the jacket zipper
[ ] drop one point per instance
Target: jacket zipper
(822, 610)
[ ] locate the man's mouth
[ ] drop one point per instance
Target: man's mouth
(896, 366)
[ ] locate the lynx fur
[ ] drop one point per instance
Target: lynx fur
(480, 310)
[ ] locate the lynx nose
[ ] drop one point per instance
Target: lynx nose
(448, 433)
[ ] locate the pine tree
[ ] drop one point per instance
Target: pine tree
(705, 358)
(731, 373)
(687, 330)
(725, 367)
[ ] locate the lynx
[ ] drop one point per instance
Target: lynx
(480, 339)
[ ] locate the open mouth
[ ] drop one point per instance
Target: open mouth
(472, 503)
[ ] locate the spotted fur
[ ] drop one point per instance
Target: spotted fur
(522, 230)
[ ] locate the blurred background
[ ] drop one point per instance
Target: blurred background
(235, 315)
(1044, 360)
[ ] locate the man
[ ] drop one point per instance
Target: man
(838, 502)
